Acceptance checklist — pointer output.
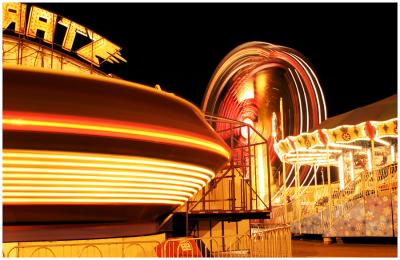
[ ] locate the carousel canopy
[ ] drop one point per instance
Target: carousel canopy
(379, 111)
(346, 132)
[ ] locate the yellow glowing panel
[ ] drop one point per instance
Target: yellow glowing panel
(102, 48)
(341, 172)
(14, 13)
(246, 91)
(40, 19)
(336, 137)
(351, 166)
(369, 156)
(52, 177)
(381, 141)
(245, 130)
(274, 124)
(45, 123)
(294, 155)
(72, 29)
(345, 146)
(260, 166)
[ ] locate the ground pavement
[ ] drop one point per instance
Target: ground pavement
(316, 248)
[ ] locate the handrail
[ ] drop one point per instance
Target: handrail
(228, 120)
(271, 242)
(344, 200)
(209, 190)
(80, 249)
(242, 157)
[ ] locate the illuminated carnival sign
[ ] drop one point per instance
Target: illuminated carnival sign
(46, 21)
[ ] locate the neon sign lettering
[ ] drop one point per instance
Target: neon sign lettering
(46, 21)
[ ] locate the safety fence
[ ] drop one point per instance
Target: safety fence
(84, 249)
(261, 242)
(362, 188)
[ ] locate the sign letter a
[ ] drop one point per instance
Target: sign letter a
(14, 13)
(40, 19)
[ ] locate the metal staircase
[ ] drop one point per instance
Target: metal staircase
(234, 194)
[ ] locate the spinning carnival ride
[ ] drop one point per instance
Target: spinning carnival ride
(250, 84)
(86, 155)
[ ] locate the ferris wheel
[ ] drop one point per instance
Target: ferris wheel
(270, 87)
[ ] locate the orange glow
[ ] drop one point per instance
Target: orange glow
(347, 146)
(274, 124)
(52, 177)
(392, 153)
(43, 193)
(316, 155)
(384, 129)
(351, 166)
(90, 126)
(72, 29)
(20, 175)
(139, 168)
(40, 19)
(12, 13)
(94, 172)
(100, 47)
(246, 130)
(41, 201)
(246, 92)
(15, 180)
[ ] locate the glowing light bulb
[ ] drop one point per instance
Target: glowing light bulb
(245, 130)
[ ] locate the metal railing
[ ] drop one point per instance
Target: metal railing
(84, 249)
(264, 241)
(235, 187)
(342, 200)
(267, 242)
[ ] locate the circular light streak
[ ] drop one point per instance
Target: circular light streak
(81, 125)
(51, 177)
(249, 83)
(254, 76)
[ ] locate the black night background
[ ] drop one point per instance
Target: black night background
(352, 46)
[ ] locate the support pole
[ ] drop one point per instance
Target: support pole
(328, 169)
(248, 167)
(363, 183)
(269, 177)
(286, 220)
(298, 199)
(187, 218)
(315, 182)
(373, 167)
(232, 195)
(281, 114)
(283, 161)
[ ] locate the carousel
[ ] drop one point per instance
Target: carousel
(350, 186)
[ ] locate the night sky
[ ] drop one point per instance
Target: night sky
(352, 47)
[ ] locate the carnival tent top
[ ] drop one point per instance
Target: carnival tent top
(376, 122)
